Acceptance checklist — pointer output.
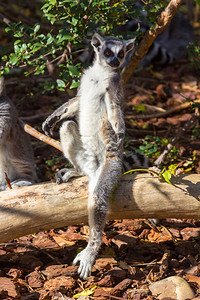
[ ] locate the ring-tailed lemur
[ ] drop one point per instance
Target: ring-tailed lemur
(16, 155)
(94, 144)
(168, 46)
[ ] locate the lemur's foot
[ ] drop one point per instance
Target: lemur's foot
(86, 259)
(65, 174)
(59, 176)
(20, 183)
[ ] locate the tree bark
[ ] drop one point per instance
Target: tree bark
(143, 47)
(44, 206)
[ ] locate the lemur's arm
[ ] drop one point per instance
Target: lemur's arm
(113, 106)
(65, 111)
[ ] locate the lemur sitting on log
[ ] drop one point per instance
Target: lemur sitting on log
(94, 143)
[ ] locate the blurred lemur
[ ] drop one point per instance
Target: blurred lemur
(94, 144)
(16, 155)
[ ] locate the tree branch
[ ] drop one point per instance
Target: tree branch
(44, 206)
(149, 37)
(42, 137)
(170, 111)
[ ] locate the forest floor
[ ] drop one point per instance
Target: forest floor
(133, 255)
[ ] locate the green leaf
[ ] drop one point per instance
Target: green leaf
(16, 48)
(74, 84)
(60, 83)
(17, 42)
(64, 37)
(167, 176)
(172, 168)
(13, 59)
(140, 108)
(7, 29)
(24, 47)
(50, 40)
(18, 34)
(37, 27)
(73, 71)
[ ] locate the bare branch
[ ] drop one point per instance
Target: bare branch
(42, 137)
(164, 113)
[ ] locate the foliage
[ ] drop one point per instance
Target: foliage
(70, 23)
(164, 174)
(198, 2)
(167, 174)
(152, 145)
(194, 54)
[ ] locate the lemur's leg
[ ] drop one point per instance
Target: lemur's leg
(101, 185)
(98, 201)
(72, 148)
(21, 182)
(67, 110)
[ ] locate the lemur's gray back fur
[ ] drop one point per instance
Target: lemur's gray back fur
(16, 155)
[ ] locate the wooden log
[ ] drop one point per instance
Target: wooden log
(44, 206)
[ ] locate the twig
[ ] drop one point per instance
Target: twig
(143, 47)
(63, 57)
(42, 137)
(5, 20)
(169, 147)
(165, 113)
(8, 181)
(115, 297)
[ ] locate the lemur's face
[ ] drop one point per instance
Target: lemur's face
(111, 51)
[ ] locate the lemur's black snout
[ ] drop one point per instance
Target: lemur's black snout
(114, 63)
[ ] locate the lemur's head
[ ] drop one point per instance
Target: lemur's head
(111, 51)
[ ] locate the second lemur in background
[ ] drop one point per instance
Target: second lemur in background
(94, 144)
(16, 154)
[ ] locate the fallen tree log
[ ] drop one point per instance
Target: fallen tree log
(44, 206)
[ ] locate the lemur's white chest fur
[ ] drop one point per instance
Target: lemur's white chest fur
(92, 93)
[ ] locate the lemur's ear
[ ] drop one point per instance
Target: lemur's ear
(97, 40)
(129, 45)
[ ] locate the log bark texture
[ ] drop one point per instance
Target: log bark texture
(44, 206)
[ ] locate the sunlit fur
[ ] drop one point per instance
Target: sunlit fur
(16, 155)
(94, 144)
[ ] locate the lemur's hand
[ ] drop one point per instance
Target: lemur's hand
(49, 124)
(120, 138)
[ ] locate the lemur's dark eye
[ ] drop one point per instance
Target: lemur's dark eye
(107, 52)
(121, 54)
